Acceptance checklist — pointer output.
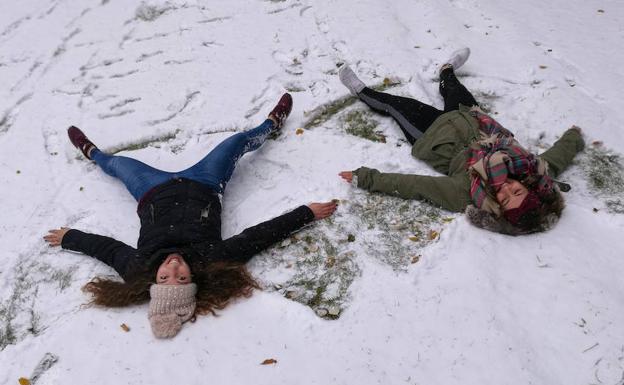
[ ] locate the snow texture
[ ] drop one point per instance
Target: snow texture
(386, 291)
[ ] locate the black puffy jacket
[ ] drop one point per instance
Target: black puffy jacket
(184, 216)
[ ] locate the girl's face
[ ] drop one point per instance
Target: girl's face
(173, 271)
(511, 194)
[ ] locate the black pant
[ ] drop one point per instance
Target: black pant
(413, 116)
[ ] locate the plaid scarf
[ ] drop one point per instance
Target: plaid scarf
(494, 158)
(489, 126)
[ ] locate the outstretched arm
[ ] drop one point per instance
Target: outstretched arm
(108, 250)
(242, 247)
(450, 193)
(561, 154)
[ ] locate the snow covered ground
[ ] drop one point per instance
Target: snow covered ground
(166, 81)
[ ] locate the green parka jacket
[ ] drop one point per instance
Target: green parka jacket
(443, 147)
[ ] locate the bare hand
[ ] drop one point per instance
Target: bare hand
(323, 210)
(347, 175)
(55, 237)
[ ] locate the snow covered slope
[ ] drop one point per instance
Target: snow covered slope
(166, 81)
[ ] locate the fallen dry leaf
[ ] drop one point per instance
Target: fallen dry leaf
(414, 238)
(124, 327)
(433, 235)
(299, 131)
(269, 361)
(24, 381)
(415, 258)
(601, 10)
(331, 261)
(543, 67)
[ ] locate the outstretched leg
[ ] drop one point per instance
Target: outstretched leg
(413, 116)
(453, 92)
(137, 176)
(216, 168)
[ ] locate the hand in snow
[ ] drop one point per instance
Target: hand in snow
(55, 237)
(347, 175)
(322, 210)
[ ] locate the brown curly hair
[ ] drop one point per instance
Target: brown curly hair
(543, 217)
(539, 219)
(217, 285)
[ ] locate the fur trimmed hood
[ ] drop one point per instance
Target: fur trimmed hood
(489, 221)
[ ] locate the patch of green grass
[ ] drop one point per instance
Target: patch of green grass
(4, 123)
(63, 277)
(323, 285)
(605, 171)
(294, 87)
(177, 148)
(317, 266)
(149, 13)
(605, 176)
(7, 334)
(35, 323)
(615, 206)
(320, 265)
(402, 227)
(20, 294)
(315, 301)
(360, 123)
(18, 317)
(328, 110)
(329, 247)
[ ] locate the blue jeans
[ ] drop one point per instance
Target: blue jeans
(214, 170)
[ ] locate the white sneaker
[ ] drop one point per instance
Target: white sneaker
(457, 59)
(350, 80)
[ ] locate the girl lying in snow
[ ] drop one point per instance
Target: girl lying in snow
(502, 186)
(181, 264)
